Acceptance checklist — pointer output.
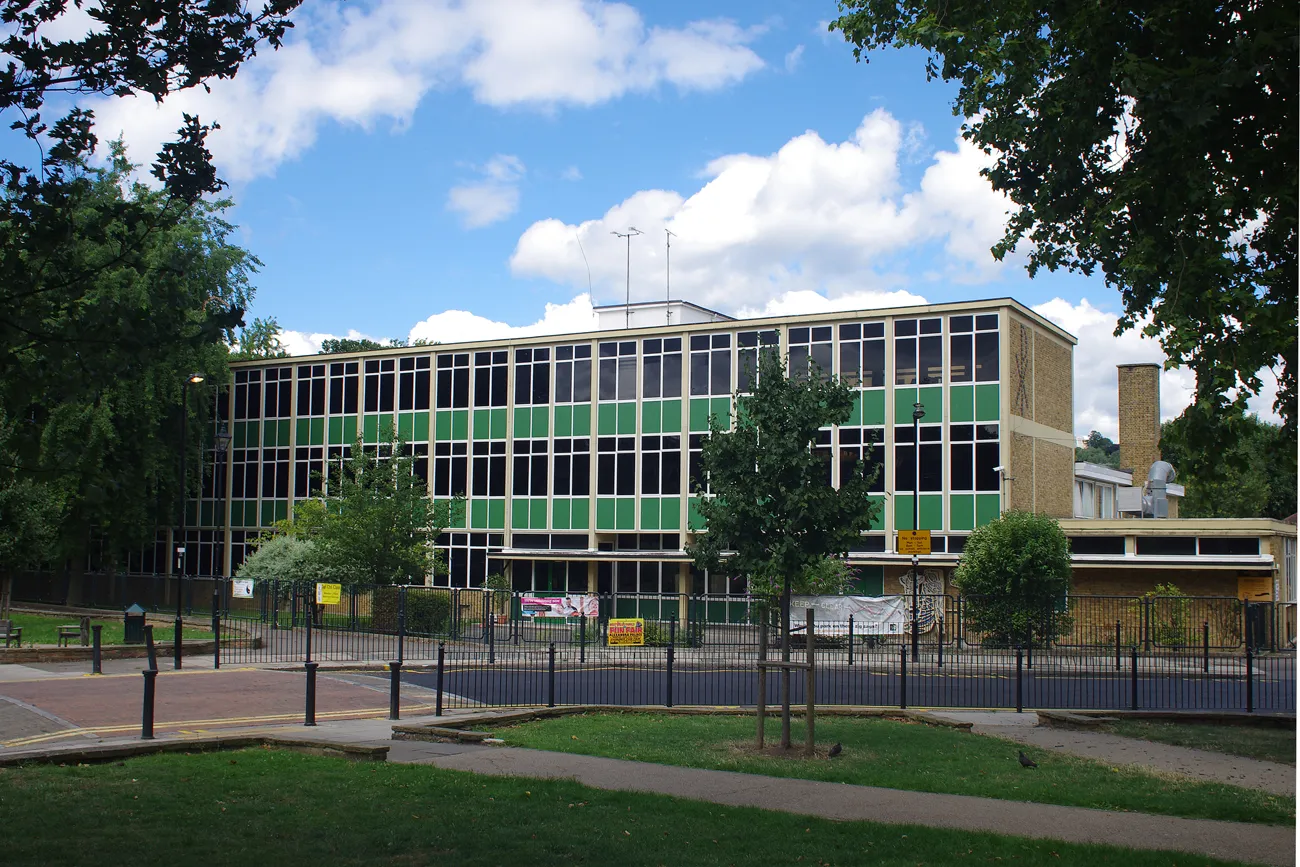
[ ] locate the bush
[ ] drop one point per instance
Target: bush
(1170, 615)
(428, 612)
(1014, 574)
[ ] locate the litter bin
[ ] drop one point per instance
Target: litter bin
(133, 623)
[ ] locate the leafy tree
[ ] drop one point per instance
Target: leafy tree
(1255, 478)
(1013, 574)
(30, 518)
(1098, 449)
(378, 524)
(260, 340)
(122, 310)
(290, 558)
(335, 345)
(1155, 143)
(771, 515)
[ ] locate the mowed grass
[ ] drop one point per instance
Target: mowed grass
(899, 755)
(44, 629)
(280, 808)
(1265, 744)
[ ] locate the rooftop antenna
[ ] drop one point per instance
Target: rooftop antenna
(668, 279)
(631, 231)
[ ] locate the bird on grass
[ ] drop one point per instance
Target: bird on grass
(835, 750)
(1026, 762)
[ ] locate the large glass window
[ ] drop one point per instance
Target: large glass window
(309, 471)
(343, 388)
(616, 466)
(918, 351)
(489, 469)
(661, 464)
(906, 454)
(973, 348)
(573, 374)
(413, 383)
(862, 354)
(661, 368)
(453, 381)
(810, 348)
(618, 370)
(450, 469)
(710, 364)
(749, 343)
(973, 452)
(490, 375)
(532, 376)
(572, 467)
(276, 392)
(248, 394)
(379, 385)
(865, 445)
(530, 458)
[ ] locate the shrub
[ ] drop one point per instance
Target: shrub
(1170, 615)
(428, 612)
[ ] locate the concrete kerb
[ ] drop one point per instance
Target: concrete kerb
(99, 753)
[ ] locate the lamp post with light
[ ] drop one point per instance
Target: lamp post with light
(918, 413)
(191, 379)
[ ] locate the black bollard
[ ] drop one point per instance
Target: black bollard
(96, 650)
(149, 647)
(311, 694)
(216, 640)
(442, 650)
(550, 675)
(672, 640)
(395, 690)
(902, 679)
(146, 719)
(1020, 663)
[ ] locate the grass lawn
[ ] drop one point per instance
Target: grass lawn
(1267, 744)
(279, 808)
(44, 629)
(899, 755)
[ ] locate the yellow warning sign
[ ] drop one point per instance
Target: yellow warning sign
(914, 541)
(625, 632)
(328, 594)
(1254, 588)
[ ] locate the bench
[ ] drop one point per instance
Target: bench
(11, 633)
(79, 631)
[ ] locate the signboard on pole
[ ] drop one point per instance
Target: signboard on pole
(242, 588)
(626, 632)
(914, 542)
(328, 594)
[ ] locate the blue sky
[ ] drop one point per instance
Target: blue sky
(399, 159)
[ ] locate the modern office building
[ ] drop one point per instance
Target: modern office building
(577, 454)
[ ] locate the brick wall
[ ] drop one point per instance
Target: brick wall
(1053, 383)
(1053, 479)
(1139, 418)
(1022, 473)
(1020, 375)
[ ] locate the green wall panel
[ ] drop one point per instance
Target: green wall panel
(460, 424)
(458, 516)
(605, 513)
(672, 416)
(496, 514)
(606, 420)
(626, 418)
(869, 580)
(482, 424)
(878, 522)
(523, 422)
(564, 421)
(931, 512)
(478, 514)
(580, 513)
(540, 427)
(421, 427)
(649, 513)
(335, 430)
(961, 403)
(518, 514)
(442, 425)
(903, 512)
(670, 511)
(582, 420)
(625, 513)
(406, 426)
(370, 428)
(987, 508)
(873, 406)
(855, 414)
(560, 514)
(931, 398)
(537, 513)
(699, 414)
(721, 407)
(694, 520)
(987, 406)
(651, 415)
(961, 511)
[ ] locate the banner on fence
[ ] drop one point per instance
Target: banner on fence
(559, 606)
(626, 632)
(328, 594)
(872, 615)
(242, 588)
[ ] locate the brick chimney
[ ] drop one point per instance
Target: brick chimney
(1139, 418)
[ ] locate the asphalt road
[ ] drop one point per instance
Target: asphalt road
(511, 683)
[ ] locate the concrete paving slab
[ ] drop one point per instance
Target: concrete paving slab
(988, 717)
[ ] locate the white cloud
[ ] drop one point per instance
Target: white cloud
(1096, 389)
(461, 325)
(361, 66)
(802, 301)
(308, 343)
(571, 173)
(493, 199)
(793, 58)
(831, 217)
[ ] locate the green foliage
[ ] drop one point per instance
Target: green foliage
(1255, 478)
(428, 612)
(260, 340)
(336, 345)
(1157, 143)
(1170, 616)
(1013, 573)
(772, 516)
(291, 558)
(829, 576)
(1098, 449)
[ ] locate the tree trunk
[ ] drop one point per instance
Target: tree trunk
(785, 669)
(6, 592)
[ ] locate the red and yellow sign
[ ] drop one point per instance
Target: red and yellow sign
(625, 632)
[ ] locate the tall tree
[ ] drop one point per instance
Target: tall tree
(261, 339)
(1256, 479)
(1156, 143)
(1098, 449)
(770, 512)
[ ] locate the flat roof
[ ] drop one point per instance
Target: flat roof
(651, 331)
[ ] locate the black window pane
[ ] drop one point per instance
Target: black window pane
(650, 473)
(581, 475)
(581, 381)
(541, 383)
(563, 383)
(523, 383)
(905, 361)
(627, 378)
(904, 468)
(986, 356)
(986, 458)
(986, 321)
(931, 360)
(931, 467)
(672, 382)
(699, 373)
(960, 359)
(626, 475)
(671, 472)
(605, 475)
(850, 357)
(521, 475)
(961, 323)
(905, 328)
(961, 467)
(873, 364)
(720, 373)
(650, 376)
(539, 476)
(608, 378)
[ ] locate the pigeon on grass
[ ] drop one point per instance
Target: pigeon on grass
(835, 750)
(1026, 762)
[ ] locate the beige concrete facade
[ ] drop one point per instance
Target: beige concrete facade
(1041, 407)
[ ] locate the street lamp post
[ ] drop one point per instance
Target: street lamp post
(194, 378)
(918, 413)
(220, 445)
